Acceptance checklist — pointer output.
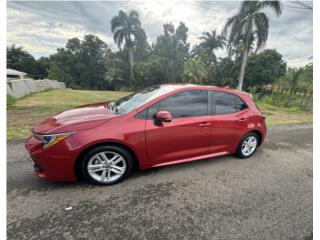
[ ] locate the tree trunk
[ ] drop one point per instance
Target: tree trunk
(243, 66)
(131, 63)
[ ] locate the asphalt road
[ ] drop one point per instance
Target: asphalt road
(268, 196)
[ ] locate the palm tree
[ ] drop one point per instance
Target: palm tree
(292, 79)
(127, 31)
(194, 71)
(212, 41)
(248, 25)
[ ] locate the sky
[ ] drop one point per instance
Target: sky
(42, 27)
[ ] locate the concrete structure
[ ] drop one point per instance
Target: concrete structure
(23, 87)
(14, 74)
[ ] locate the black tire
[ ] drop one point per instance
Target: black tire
(106, 148)
(239, 152)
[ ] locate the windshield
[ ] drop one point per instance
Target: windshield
(135, 100)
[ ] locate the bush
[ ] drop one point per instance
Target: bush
(11, 101)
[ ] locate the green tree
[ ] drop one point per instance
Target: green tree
(212, 41)
(127, 31)
(248, 25)
(81, 63)
(264, 68)
(297, 79)
(226, 72)
(172, 49)
(21, 60)
(195, 71)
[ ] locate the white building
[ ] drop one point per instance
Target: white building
(14, 74)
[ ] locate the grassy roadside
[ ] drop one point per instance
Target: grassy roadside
(31, 109)
(281, 115)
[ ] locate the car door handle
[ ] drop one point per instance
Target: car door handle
(242, 119)
(205, 124)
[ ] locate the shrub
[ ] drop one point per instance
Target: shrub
(11, 101)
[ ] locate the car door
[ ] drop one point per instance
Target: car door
(187, 135)
(229, 121)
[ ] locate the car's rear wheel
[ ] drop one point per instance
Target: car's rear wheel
(106, 164)
(248, 145)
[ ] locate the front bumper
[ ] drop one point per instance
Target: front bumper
(55, 163)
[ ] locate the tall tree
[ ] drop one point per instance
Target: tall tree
(172, 48)
(212, 41)
(195, 71)
(81, 63)
(21, 60)
(248, 25)
(127, 31)
(264, 68)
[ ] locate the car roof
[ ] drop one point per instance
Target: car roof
(186, 86)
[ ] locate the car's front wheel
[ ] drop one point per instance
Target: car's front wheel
(106, 164)
(248, 145)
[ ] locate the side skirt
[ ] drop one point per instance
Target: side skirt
(192, 159)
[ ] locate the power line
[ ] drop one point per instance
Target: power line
(302, 5)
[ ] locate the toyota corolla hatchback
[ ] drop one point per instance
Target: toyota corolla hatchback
(160, 125)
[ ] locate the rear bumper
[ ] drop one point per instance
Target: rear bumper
(55, 163)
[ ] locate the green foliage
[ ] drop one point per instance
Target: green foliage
(226, 73)
(264, 68)
(251, 24)
(172, 49)
(21, 60)
(127, 31)
(287, 101)
(91, 64)
(297, 79)
(195, 71)
(212, 41)
(11, 101)
(81, 63)
(249, 29)
(150, 72)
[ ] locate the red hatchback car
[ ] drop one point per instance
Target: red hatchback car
(160, 125)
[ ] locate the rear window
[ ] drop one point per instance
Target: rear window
(226, 103)
(241, 105)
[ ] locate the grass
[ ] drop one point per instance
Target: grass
(281, 115)
(11, 101)
(29, 110)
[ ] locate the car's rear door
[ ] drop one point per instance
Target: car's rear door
(229, 121)
(187, 135)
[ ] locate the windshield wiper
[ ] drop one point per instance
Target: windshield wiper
(113, 107)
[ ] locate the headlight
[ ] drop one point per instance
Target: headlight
(49, 140)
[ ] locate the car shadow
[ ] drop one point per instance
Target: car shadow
(28, 182)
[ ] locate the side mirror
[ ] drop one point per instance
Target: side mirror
(163, 116)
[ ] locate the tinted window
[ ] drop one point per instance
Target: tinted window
(152, 110)
(224, 103)
(186, 104)
(142, 115)
(241, 105)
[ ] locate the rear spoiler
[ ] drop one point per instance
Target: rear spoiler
(243, 92)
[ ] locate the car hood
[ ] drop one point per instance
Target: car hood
(77, 119)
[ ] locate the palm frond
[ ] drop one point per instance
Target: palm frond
(276, 6)
(116, 22)
(230, 22)
(118, 37)
(261, 22)
(134, 18)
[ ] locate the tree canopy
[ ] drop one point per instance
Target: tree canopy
(89, 63)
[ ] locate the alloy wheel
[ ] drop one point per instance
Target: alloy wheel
(249, 145)
(106, 167)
